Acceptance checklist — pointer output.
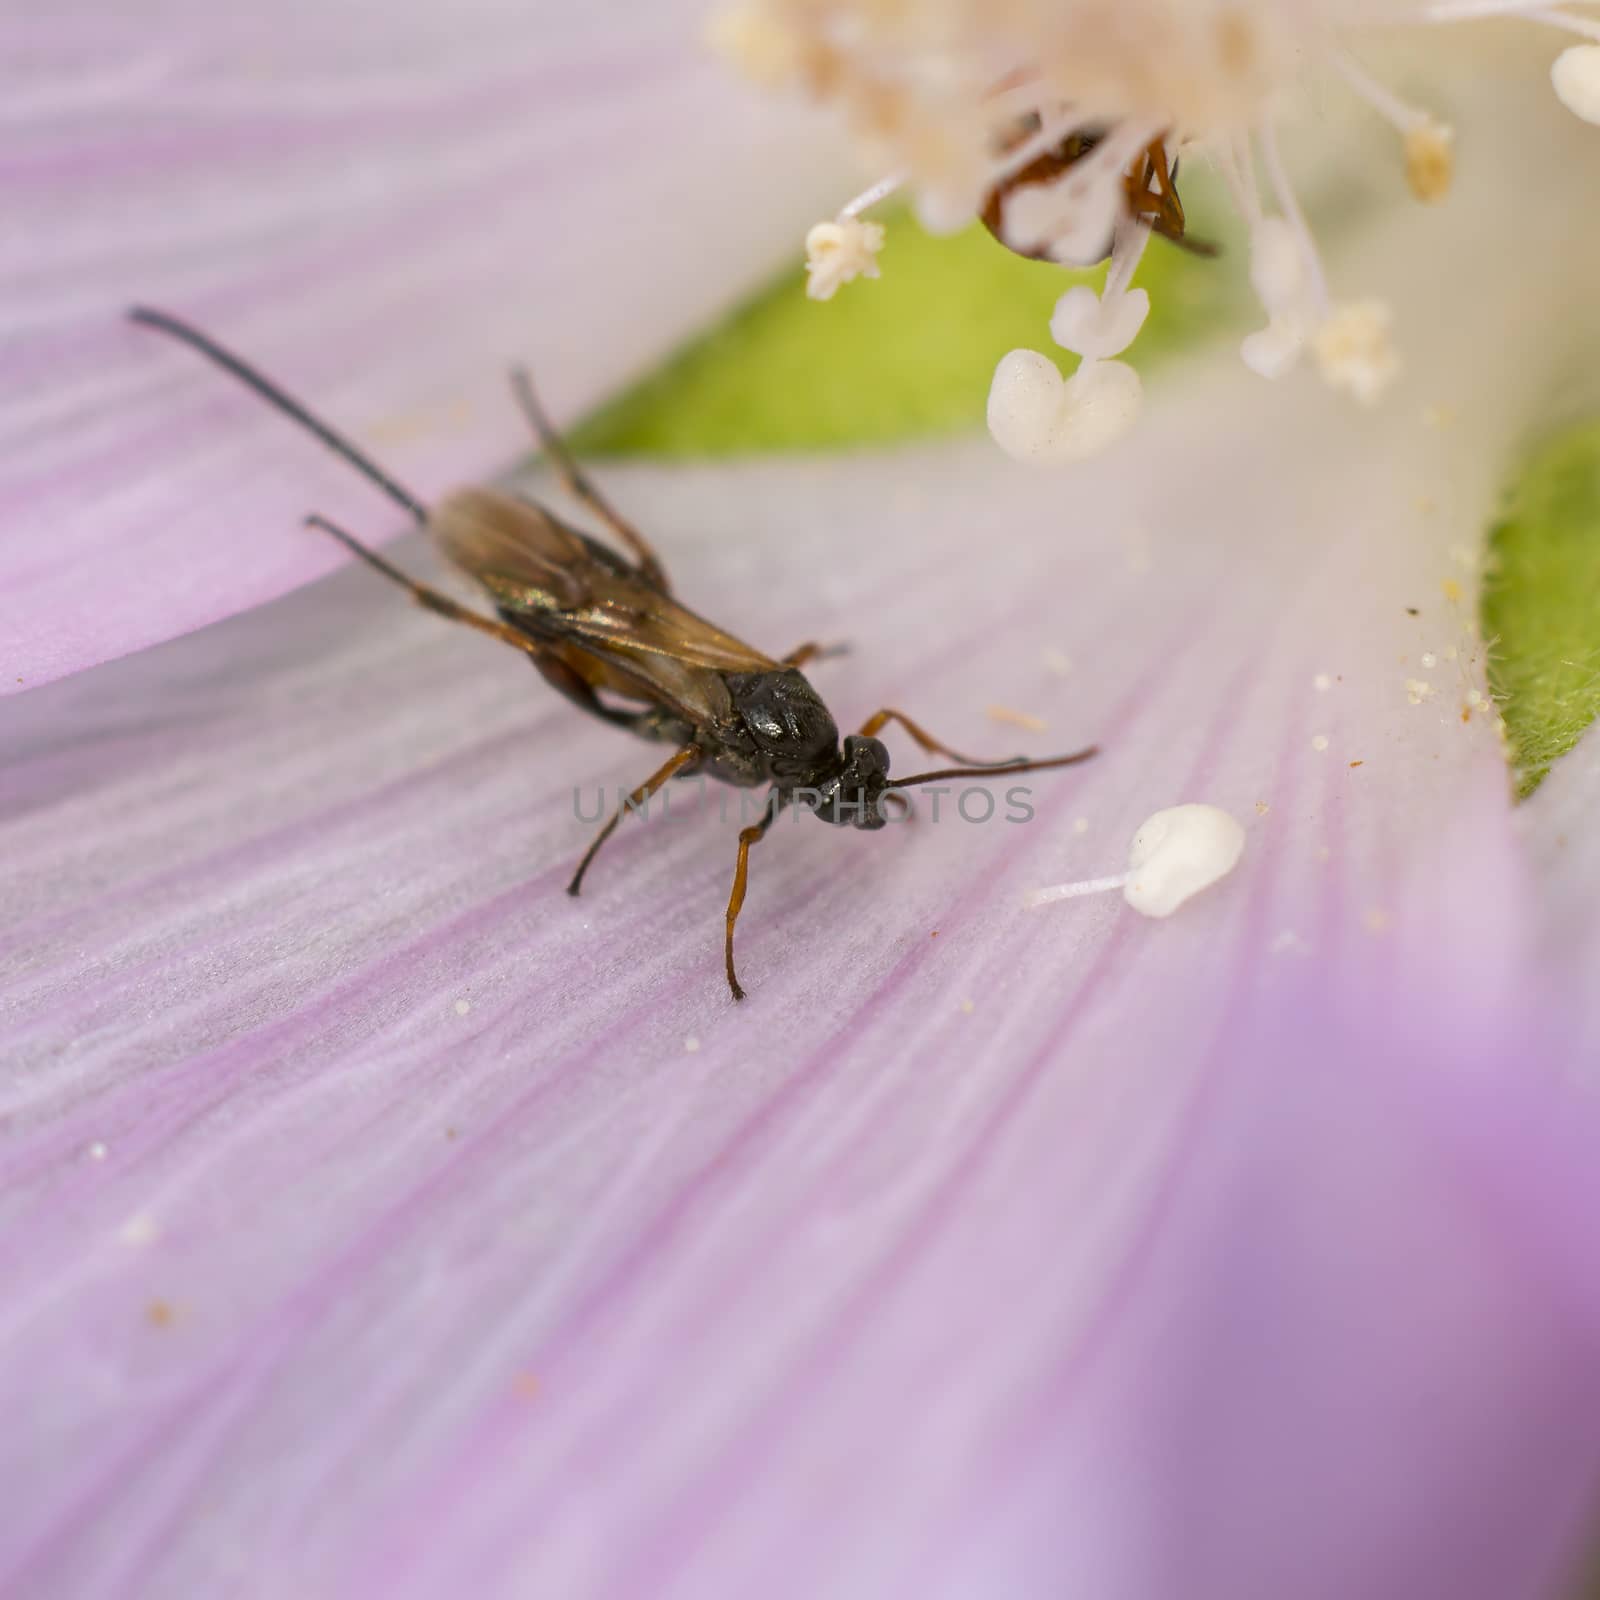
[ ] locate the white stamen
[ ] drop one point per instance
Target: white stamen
(1429, 144)
(1036, 415)
(839, 252)
(1175, 854)
(868, 198)
(1280, 277)
(1099, 326)
(1283, 190)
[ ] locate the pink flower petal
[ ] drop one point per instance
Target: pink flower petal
(1558, 823)
(386, 215)
(867, 1288)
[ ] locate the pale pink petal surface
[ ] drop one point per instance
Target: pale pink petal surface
(385, 208)
(1558, 823)
(379, 1220)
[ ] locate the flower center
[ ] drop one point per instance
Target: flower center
(1060, 123)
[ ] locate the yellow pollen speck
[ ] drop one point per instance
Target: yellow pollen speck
(1430, 160)
(1418, 690)
(1262, 808)
(1452, 591)
(1080, 825)
(966, 1006)
(1319, 742)
(1376, 920)
(159, 1314)
(1018, 719)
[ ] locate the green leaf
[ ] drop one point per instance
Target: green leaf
(1541, 603)
(905, 356)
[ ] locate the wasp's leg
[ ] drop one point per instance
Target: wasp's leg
(741, 877)
(879, 719)
(579, 484)
(812, 651)
(685, 757)
(434, 600)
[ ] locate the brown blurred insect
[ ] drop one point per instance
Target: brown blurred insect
(594, 622)
(1150, 186)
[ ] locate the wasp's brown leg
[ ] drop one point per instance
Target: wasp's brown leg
(879, 719)
(741, 878)
(812, 651)
(429, 599)
(579, 484)
(689, 753)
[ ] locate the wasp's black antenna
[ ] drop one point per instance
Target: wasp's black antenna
(273, 395)
(994, 772)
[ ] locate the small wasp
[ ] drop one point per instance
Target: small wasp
(594, 623)
(1150, 188)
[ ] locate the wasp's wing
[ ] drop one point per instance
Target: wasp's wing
(572, 591)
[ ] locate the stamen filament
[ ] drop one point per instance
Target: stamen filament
(1072, 891)
(868, 198)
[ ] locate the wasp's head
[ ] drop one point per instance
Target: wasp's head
(852, 795)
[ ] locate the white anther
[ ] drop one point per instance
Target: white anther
(1575, 74)
(1097, 328)
(1174, 855)
(1038, 416)
(838, 252)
